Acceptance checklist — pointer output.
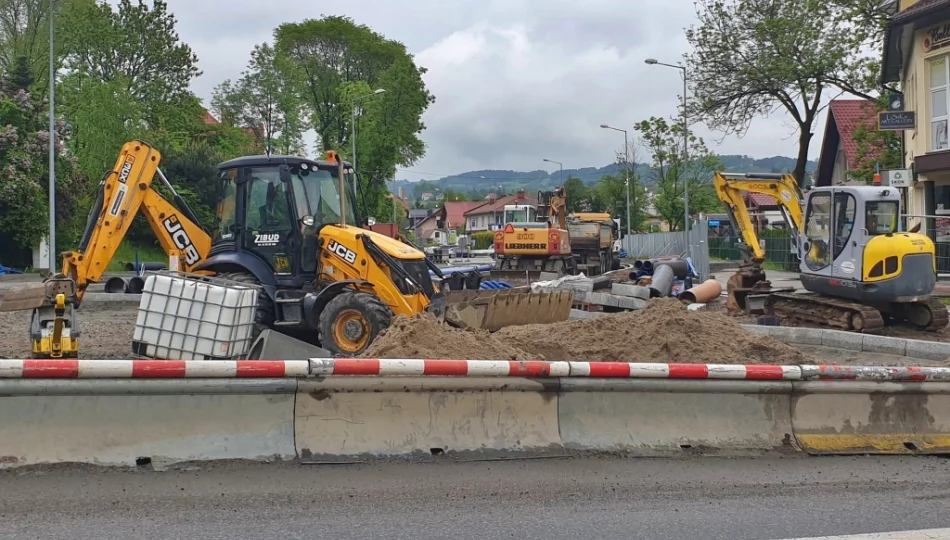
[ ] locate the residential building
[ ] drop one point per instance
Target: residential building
(840, 152)
(489, 215)
(451, 216)
(917, 56)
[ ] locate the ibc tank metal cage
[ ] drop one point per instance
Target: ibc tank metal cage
(186, 316)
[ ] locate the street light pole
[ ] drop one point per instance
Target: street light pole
(652, 62)
(560, 176)
(353, 123)
(626, 168)
(52, 146)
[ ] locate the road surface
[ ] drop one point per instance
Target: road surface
(553, 499)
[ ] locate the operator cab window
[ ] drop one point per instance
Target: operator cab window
(818, 231)
(881, 217)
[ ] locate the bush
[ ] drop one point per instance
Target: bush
(483, 239)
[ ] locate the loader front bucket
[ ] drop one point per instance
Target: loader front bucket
(495, 309)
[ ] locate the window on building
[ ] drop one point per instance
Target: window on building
(939, 102)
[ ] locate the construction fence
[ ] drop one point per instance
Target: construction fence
(666, 244)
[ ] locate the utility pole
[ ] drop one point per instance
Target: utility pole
(653, 62)
(626, 168)
(52, 145)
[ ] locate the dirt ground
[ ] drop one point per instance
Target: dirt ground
(663, 332)
(106, 332)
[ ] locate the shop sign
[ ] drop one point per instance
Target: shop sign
(937, 37)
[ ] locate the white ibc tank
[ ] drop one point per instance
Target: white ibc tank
(193, 319)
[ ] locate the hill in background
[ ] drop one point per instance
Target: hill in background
(510, 181)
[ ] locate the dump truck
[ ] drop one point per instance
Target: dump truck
(592, 236)
(286, 225)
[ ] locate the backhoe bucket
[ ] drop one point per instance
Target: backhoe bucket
(495, 309)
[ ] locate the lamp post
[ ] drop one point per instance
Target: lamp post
(654, 62)
(353, 123)
(52, 147)
(560, 176)
(626, 168)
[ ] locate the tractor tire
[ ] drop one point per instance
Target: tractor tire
(264, 314)
(350, 322)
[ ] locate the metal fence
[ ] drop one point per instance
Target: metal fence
(648, 246)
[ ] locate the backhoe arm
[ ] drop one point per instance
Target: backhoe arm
(124, 191)
(781, 187)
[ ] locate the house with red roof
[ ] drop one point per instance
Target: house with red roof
(840, 152)
(490, 215)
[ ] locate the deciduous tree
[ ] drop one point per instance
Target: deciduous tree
(753, 57)
(266, 99)
(340, 61)
(663, 141)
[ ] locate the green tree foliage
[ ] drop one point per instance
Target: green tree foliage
(135, 46)
(875, 147)
(338, 63)
(483, 239)
(751, 57)
(576, 193)
(664, 143)
(266, 99)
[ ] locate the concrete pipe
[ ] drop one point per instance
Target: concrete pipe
(135, 285)
(662, 281)
(702, 293)
(679, 266)
(116, 285)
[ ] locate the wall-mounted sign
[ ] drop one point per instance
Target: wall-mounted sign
(896, 121)
(897, 177)
(936, 37)
(895, 102)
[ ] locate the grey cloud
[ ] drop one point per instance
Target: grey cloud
(515, 80)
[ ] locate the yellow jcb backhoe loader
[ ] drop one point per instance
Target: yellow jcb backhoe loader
(855, 263)
(289, 226)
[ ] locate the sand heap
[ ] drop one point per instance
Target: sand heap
(663, 332)
(423, 336)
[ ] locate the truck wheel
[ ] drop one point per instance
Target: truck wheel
(350, 322)
(264, 314)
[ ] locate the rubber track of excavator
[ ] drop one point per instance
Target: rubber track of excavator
(939, 317)
(839, 313)
(836, 313)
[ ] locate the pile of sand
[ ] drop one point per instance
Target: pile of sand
(423, 336)
(664, 332)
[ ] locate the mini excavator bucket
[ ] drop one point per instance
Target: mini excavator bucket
(494, 309)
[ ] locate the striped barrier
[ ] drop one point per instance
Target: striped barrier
(388, 367)
(151, 369)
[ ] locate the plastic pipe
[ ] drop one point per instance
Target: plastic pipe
(702, 293)
(115, 285)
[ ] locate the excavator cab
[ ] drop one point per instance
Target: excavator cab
(270, 211)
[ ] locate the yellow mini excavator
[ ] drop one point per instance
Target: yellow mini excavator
(856, 265)
(288, 226)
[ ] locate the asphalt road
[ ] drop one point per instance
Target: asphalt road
(711, 498)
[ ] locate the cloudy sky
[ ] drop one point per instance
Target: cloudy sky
(515, 80)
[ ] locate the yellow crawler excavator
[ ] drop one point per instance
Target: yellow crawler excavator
(856, 265)
(288, 226)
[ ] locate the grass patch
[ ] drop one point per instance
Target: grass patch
(126, 254)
